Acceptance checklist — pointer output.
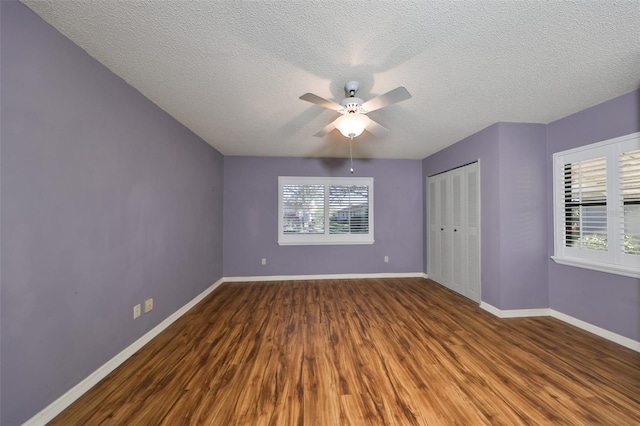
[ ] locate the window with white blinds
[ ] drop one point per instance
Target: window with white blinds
(630, 184)
(597, 206)
(306, 205)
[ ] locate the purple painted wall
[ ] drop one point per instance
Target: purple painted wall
(105, 201)
(523, 216)
(605, 300)
(251, 222)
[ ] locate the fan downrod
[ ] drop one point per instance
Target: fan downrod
(351, 104)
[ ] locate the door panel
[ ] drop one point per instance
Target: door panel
(473, 231)
(459, 253)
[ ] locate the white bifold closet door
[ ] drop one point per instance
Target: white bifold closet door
(453, 230)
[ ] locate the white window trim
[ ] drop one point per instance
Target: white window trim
(326, 238)
(613, 261)
(598, 266)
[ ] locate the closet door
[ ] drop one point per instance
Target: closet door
(453, 239)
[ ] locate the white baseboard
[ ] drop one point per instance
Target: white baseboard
(609, 335)
(515, 313)
(57, 406)
(598, 331)
(324, 277)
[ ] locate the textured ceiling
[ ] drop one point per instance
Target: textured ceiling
(232, 71)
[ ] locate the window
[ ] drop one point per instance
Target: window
(597, 206)
(316, 210)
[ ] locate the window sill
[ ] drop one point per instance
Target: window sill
(324, 243)
(596, 266)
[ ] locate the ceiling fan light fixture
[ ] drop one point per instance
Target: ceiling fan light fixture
(353, 120)
(352, 125)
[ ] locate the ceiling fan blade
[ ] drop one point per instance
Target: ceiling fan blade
(376, 129)
(315, 99)
(396, 95)
(328, 128)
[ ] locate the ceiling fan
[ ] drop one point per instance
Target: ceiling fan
(354, 120)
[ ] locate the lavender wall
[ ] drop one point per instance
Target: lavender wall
(523, 216)
(105, 201)
(605, 300)
(513, 215)
(251, 222)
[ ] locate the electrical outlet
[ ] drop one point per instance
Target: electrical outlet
(148, 305)
(264, 260)
(386, 259)
(136, 311)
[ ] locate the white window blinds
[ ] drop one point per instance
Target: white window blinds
(348, 209)
(630, 184)
(585, 197)
(303, 209)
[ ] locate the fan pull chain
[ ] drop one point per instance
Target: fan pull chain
(351, 152)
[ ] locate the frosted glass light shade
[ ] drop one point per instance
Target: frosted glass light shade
(352, 124)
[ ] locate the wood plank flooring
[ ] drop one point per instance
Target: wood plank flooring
(363, 352)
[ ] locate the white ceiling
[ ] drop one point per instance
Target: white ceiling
(232, 71)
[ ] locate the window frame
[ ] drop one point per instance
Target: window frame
(613, 260)
(326, 238)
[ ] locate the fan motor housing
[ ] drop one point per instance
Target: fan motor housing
(351, 105)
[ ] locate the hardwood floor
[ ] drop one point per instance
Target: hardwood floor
(360, 352)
